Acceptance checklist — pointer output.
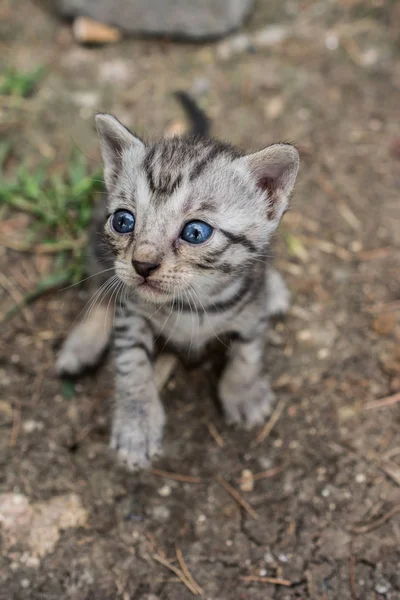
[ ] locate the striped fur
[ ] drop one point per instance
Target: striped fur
(223, 286)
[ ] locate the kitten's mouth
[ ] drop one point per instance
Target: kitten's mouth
(151, 287)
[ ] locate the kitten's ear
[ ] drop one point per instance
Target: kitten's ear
(114, 139)
(275, 169)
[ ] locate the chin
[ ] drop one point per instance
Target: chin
(152, 292)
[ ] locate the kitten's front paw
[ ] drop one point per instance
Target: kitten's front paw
(248, 404)
(86, 343)
(138, 438)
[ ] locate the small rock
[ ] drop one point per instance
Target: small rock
(395, 146)
(165, 491)
(85, 99)
(331, 42)
(391, 361)
(269, 558)
(30, 426)
(115, 71)
(161, 513)
(37, 527)
(270, 36)
(88, 31)
(177, 18)
(274, 107)
(176, 128)
(5, 409)
(247, 481)
(382, 588)
(385, 323)
(25, 583)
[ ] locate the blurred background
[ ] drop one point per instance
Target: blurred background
(312, 512)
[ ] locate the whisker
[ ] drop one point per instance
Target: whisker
(86, 279)
(207, 317)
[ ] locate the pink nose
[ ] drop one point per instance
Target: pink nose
(144, 268)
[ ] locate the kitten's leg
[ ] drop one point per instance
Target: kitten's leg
(139, 417)
(244, 389)
(278, 295)
(86, 342)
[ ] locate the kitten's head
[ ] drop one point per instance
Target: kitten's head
(188, 215)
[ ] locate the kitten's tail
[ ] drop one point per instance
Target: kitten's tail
(200, 123)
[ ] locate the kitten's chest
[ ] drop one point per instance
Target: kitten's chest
(187, 328)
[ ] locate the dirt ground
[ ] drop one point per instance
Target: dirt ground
(323, 517)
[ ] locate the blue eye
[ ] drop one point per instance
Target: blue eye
(196, 232)
(123, 221)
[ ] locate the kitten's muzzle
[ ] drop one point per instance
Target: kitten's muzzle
(145, 269)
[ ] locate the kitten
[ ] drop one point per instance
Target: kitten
(189, 223)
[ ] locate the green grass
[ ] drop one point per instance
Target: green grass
(61, 207)
(18, 83)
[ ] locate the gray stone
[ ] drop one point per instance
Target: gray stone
(179, 19)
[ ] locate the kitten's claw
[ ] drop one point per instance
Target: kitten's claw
(249, 405)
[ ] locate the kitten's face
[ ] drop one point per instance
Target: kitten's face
(186, 216)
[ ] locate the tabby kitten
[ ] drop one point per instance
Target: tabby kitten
(189, 222)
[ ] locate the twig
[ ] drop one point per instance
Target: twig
(388, 307)
(268, 473)
(176, 476)
(16, 425)
(391, 470)
(163, 369)
(352, 573)
(49, 284)
(214, 433)
(17, 297)
(265, 432)
(155, 546)
(327, 247)
(272, 580)
(236, 496)
(344, 209)
(186, 572)
(377, 253)
(353, 50)
(178, 573)
(387, 401)
(378, 522)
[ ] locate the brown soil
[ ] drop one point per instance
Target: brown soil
(337, 350)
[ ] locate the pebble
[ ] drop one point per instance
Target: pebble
(30, 426)
(269, 558)
(165, 491)
(25, 583)
(325, 493)
(274, 107)
(283, 558)
(382, 587)
(331, 42)
(263, 572)
(360, 478)
(161, 513)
